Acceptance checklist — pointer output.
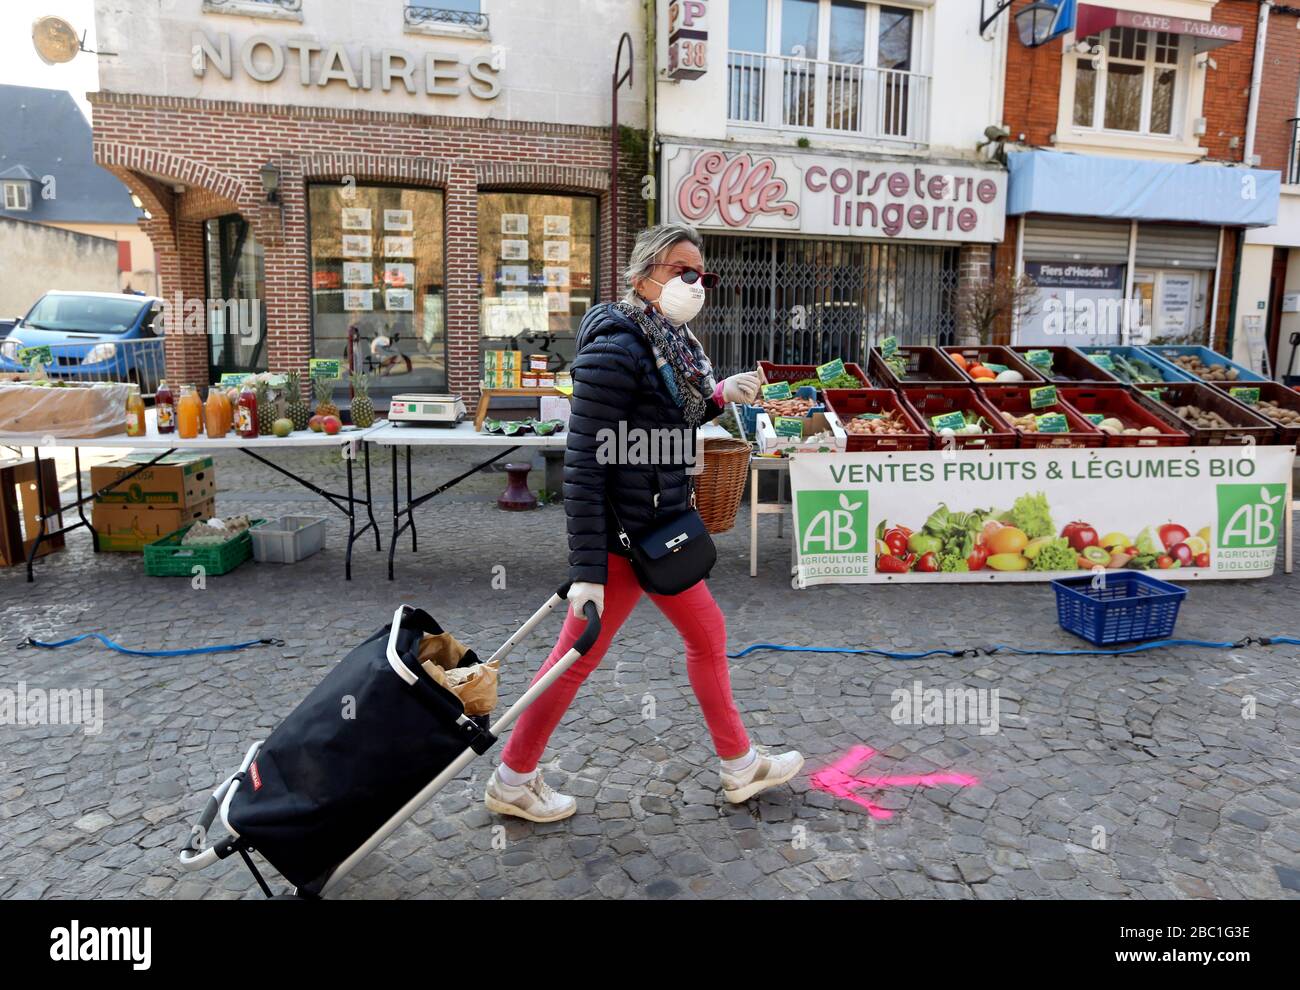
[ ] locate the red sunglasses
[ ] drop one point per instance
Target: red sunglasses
(690, 275)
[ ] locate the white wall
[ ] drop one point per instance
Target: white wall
(50, 258)
(965, 90)
(558, 56)
(1252, 289)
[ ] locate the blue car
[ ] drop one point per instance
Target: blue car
(92, 336)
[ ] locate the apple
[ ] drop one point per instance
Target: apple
(1171, 533)
(1080, 535)
(1202, 560)
(314, 424)
(331, 424)
(282, 427)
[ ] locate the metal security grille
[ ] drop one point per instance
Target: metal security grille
(797, 301)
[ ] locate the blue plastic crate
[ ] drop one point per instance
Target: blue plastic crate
(1167, 351)
(1127, 607)
(1168, 372)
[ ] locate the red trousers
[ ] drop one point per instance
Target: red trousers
(704, 631)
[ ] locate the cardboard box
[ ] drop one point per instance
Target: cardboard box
(127, 528)
(770, 443)
(178, 481)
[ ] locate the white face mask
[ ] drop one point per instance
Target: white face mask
(678, 301)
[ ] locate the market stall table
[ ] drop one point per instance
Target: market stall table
(461, 435)
(165, 444)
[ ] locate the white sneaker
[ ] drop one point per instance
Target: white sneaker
(534, 800)
(766, 771)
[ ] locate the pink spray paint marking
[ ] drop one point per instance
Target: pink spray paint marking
(837, 779)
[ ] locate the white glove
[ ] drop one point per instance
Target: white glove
(581, 592)
(742, 388)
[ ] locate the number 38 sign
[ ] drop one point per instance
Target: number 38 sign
(688, 39)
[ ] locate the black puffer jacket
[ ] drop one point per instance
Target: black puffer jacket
(615, 382)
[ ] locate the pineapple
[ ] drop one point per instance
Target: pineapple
(295, 407)
(324, 389)
(265, 414)
(363, 410)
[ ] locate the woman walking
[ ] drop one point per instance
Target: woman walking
(639, 366)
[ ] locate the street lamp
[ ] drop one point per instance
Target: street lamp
(1038, 23)
(270, 176)
(1034, 23)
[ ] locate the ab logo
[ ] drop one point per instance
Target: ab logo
(1250, 516)
(833, 522)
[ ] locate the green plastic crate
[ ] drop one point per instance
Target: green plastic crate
(167, 558)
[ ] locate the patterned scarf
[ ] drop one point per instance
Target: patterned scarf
(681, 361)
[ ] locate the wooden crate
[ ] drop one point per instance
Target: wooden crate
(19, 507)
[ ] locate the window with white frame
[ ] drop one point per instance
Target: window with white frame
(1130, 82)
(834, 65)
(18, 196)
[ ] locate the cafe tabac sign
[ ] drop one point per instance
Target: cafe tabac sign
(311, 63)
(828, 196)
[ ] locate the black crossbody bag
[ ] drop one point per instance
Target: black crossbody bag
(674, 554)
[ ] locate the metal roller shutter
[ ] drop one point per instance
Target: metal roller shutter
(1169, 246)
(1076, 240)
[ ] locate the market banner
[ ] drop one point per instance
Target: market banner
(1034, 515)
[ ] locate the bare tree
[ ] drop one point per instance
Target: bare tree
(984, 304)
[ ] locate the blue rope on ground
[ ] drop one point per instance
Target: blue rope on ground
(190, 652)
(1020, 650)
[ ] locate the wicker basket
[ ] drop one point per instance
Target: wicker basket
(720, 487)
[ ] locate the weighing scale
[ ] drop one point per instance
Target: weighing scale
(426, 410)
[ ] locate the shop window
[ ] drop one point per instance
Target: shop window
(236, 278)
(378, 269)
(537, 269)
(1128, 82)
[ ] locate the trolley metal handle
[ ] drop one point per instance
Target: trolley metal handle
(196, 853)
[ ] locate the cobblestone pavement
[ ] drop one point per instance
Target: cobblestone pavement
(1110, 777)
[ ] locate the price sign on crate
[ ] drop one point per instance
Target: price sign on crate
(889, 347)
(1249, 396)
(788, 426)
(324, 368)
(948, 421)
(1042, 397)
(1052, 423)
(831, 370)
(781, 390)
(1040, 359)
(30, 357)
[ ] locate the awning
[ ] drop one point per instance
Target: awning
(1131, 189)
(1206, 34)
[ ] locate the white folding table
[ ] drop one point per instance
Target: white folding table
(349, 441)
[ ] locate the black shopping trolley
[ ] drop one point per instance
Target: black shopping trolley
(367, 748)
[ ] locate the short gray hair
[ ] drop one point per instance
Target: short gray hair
(650, 245)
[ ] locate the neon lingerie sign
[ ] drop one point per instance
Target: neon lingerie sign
(835, 195)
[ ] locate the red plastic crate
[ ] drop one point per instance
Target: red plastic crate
(935, 400)
(1070, 367)
(797, 372)
(1132, 408)
(929, 362)
(849, 402)
(1246, 426)
(998, 355)
(1287, 398)
(1015, 399)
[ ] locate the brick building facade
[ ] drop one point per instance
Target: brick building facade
(1048, 107)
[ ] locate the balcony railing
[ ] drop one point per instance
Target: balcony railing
(441, 15)
(788, 93)
(1292, 176)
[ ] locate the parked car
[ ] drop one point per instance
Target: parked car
(92, 336)
(6, 326)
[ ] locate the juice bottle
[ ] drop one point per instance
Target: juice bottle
(189, 413)
(246, 413)
(214, 414)
(135, 413)
(165, 406)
